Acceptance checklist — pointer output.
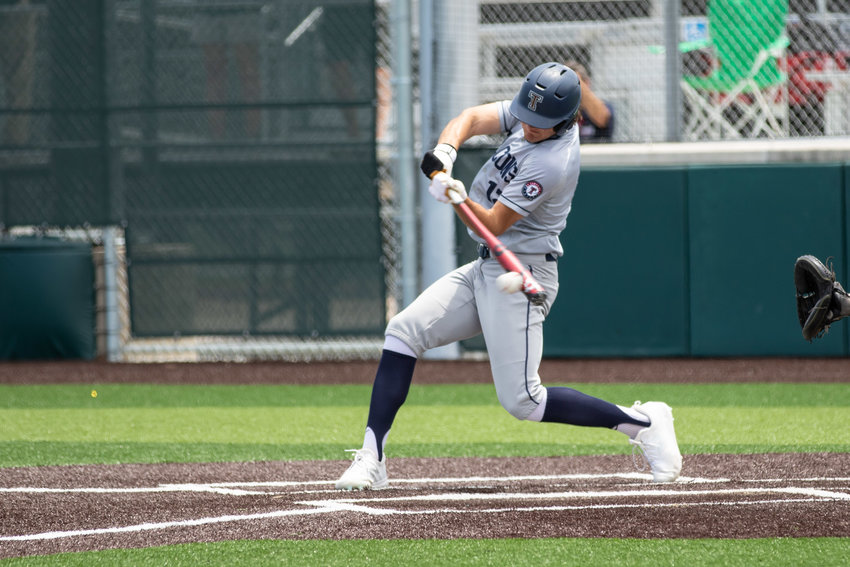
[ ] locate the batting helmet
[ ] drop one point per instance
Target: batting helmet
(549, 97)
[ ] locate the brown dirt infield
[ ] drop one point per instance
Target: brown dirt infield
(773, 369)
(75, 508)
(731, 496)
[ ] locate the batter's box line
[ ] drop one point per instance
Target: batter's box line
(562, 508)
(811, 493)
(243, 488)
(357, 504)
(807, 479)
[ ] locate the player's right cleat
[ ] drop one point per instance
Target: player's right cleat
(658, 441)
(365, 472)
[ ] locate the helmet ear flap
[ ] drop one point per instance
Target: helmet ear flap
(565, 125)
(560, 127)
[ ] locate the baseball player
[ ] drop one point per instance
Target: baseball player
(523, 194)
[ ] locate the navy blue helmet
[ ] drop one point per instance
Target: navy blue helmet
(549, 97)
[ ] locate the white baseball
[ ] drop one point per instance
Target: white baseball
(510, 282)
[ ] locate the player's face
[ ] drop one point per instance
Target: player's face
(535, 135)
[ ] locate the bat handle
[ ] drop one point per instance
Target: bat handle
(454, 196)
(451, 193)
(533, 290)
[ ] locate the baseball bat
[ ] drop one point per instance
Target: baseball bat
(530, 286)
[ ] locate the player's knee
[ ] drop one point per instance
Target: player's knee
(519, 407)
(401, 329)
(523, 404)
(395, 324)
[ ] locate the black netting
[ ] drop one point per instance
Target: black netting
(233, 138)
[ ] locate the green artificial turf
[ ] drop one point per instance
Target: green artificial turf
(65, 424)
(820, 552)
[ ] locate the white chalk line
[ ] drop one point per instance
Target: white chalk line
(385, 511)
(131, 490)
(240, 488)
(468, 497)
(357, 504)
(163, 525)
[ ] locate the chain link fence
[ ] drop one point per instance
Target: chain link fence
(743, 68)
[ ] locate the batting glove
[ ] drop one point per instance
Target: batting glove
(441, 158)
(446, 189)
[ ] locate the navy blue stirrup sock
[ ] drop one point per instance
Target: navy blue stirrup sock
(565, 405)
(392, 381)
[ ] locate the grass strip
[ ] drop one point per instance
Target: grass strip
(159, 395)
(167, 424)
(776, 552)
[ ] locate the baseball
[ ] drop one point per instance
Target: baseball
(510, 282)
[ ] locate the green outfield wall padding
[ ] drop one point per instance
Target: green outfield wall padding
(748, 224)
(623, 277)
(47, 303)
(841, 258)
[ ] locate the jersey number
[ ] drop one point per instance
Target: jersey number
(490, 191)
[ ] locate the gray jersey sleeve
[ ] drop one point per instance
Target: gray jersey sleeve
(509, 121)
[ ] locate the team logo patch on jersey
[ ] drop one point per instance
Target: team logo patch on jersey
(532, 190)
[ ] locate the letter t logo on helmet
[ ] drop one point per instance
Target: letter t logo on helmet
(533, 99)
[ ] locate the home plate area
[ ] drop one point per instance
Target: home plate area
(75, 508)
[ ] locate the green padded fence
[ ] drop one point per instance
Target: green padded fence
(47, 299)
(748, 226)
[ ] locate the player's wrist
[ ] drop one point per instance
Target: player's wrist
(441, 158)
(446, 149)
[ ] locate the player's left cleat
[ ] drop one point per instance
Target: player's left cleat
(658, 441)
(365, 472)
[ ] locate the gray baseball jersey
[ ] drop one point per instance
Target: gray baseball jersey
(537, 181)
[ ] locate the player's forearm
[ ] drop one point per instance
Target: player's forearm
(497, 219)
(474, 121)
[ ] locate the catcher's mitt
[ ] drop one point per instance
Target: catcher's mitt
(815, 285)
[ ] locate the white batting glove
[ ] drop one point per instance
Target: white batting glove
(446, 154)
(441, 158)
(446, 189)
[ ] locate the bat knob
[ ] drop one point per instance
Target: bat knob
(537, 298)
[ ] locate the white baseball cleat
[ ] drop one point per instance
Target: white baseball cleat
(658, 441)
(365, 472)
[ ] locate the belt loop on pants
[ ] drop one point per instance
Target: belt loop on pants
(484, 253)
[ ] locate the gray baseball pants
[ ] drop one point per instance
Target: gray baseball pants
(466, 302)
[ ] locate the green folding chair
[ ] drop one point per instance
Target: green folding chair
(746, 93)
